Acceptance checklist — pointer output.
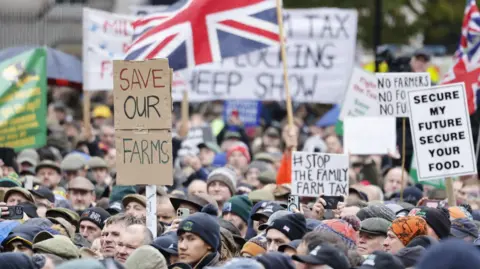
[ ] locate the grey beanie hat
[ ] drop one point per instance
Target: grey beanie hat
(224, 175)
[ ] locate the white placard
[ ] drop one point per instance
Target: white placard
(315, 174)
(369, 135)
(392, 89)
(320, 50)
(361, 98)
(441, 132)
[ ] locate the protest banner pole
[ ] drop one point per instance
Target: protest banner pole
(151, 194)
(284, 61)
(403, 157)
(185, 116)
(86, 114)
(450, 194)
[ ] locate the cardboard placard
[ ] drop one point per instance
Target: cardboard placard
(143, 122)
(441, 132)
(392, 89)
(144, 158)
(142, 91)
(369, 135)
(315, 174)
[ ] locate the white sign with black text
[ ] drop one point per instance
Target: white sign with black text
(315, 174)
(369, 135)
(441, 132)
(392, 89)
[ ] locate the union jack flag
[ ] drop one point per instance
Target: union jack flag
(466, 67)
(203, 31)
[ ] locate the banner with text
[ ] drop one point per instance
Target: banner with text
(143, 122)
(393, 88)
(315, 174)
(23, 100)
(441, 132)
(361, 98)
(248, 111)
(320, 51)
(370, 135)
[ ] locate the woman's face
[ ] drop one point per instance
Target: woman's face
(191, 248)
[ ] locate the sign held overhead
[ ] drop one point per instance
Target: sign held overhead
(315, 174)
(441, 132)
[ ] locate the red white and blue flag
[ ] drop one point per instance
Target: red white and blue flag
(196, 32)
(466, 67)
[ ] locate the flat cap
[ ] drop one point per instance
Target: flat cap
(375, 226)
(73, 162)
(81, 183)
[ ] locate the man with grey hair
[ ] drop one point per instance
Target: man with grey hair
(135, 236)
(113, 228)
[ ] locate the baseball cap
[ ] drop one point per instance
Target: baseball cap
(324, 255)
(292, 244)
(381, 260)
(43, 192)
(273, 217)
(209, 145)
(267, 211)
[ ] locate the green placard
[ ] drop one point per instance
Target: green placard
(23, 100)
(437, 183)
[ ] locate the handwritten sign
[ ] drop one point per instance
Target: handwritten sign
(142, 94)
(393, 88)
(314, 174)
(361, 98)
(143, 120)
(441, 132)
(195, 136)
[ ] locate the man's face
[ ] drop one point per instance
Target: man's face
(15, 199)
(49, 177)
(80, 199)
(165, 210)
(25, 166)
(191, 248)
(135, 209)
(236, 220)
(368, 243)
(219, 191)
(90, 230)
(128, 242)
(392, 244)
(197, 187)
(252, 177)
(206, 156)
(393, 181)
(100, 174)
(70, 174)
(108, 136)
(274, 239)
(419, 64)
(238, 160)
(109, 238)
(19, 246)
(333, 144)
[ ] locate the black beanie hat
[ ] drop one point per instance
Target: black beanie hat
(438, 219)
(96, 215)
(293, 226)
(204, 224)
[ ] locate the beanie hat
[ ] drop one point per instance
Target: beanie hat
(239, 146)
(407, 228)
(293, 226)
(275, 260)
(238, 205)
(96, 215)
(341, 228)
(376, 211)
(225, 175)
(451, 254)
(410, 256)
(118, 192)
(438, 219)
(255, 246)
(204, 224)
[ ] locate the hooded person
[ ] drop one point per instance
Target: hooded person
(438, 220)
(199, 239)
(285, 229)
(15, 260)
(237, 210)
(450, 254)
(403, 231)
(146, 257)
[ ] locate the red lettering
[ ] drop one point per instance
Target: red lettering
(135, 76)
(105, 65)
(124, 79)
(155, 77)
(118, 27)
